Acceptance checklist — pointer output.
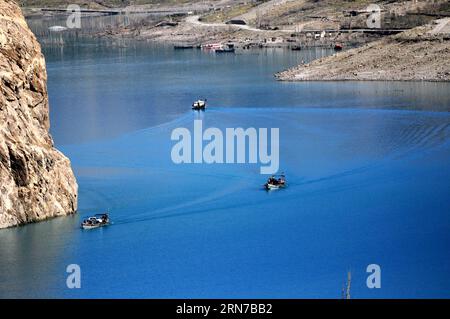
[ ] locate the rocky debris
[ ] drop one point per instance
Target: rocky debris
(36, 180)
(419, 54)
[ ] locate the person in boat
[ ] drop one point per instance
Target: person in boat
(276, 181)
(105, 218)
(199, 104)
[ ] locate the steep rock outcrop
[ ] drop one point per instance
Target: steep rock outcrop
(36, 180)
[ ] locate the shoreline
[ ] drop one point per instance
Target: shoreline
(193, 32)
(190, 29)
(419, 54)
(354, 63)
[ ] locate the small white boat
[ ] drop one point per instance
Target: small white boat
(219, 47)
(96, 221)
(57, 28)
(275, 182)
(199, 105)
(270, 186)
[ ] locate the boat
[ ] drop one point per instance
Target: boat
(57, 28)
(338, 47)
(199, 105)
(296, 48)
(183, 46)
(96, 221)
(275, 182)
(211, 46)
(219, 47)
(226, 48)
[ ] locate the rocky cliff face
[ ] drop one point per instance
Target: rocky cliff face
(36, 180)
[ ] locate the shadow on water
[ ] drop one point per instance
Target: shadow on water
(31, 258)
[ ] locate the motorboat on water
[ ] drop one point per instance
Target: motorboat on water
(226, 48)
(96, 221)
(199, 105)
(275, 182)
(219, 47)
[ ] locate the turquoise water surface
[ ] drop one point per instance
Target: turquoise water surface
(367, 166)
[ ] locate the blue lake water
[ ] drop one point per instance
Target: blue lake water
(367, 166)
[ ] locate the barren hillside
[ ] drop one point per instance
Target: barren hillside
(421, 54)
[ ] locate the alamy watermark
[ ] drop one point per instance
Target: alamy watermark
(374, 279)
(74, 19)
(73, 280)
(374, 19)
(235, 145)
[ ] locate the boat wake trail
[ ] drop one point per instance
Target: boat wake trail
(321, 151)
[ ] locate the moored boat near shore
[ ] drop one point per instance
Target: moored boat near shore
(226, 48)
(183, 46)
(338, 47)
(211, 46)
(219, 47)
